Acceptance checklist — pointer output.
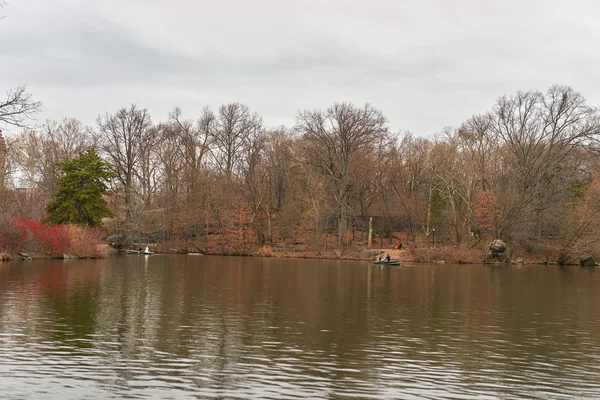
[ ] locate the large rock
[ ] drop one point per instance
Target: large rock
(25, 256)
(498, 246)
(497, 251)
(587, 261)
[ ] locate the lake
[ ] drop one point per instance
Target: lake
(168, 326)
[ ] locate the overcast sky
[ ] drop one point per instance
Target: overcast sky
(427, 64)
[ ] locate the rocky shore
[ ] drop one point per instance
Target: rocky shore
(497, 253)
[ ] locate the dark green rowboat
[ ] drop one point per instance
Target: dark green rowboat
(391, 262)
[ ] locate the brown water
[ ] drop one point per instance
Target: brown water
(219, 327)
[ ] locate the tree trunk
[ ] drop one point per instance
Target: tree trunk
(428, 227)
(342, 216)
(342, 227)
(269, 227)
(370, 232)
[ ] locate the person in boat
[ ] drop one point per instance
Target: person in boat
(388, 258)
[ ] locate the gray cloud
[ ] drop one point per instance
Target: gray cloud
(426, 64)
(103, 52)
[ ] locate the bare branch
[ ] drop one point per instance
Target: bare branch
(19, 107)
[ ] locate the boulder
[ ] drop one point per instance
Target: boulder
(498, 246)
(25, 256)
(497, 251)
(587, 261)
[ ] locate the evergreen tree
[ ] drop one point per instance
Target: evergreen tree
(78, 197)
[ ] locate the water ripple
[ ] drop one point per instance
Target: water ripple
(229, 328)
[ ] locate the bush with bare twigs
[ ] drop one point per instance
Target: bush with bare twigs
(84, 242)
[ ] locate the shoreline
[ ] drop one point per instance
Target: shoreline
(103, 251)
(420, 256)
(5, 257)
(401, 255)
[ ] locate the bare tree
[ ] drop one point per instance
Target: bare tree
(19, 107)
(235, 127)
(4, 169)
(367, 181)
(27, 155)
(477, 145)
(15, 110)
(410, 182)
(457, 179)
(124, 138)
(68, 138)
(278, 158)
(331, 141)
(61, 142)
(537, 133)
(170, 155)
(25, 160)
(35, 153)
(254, 174)
(195, 140)
(267, 178)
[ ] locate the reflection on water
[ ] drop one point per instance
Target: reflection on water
(221, 327)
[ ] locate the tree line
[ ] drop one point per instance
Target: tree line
(525, 171)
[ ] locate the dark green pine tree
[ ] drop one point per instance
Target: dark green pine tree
(78, 197)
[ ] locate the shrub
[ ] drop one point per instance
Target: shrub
(36, 236)
(9, 237)
(84, 242)
(265, 251)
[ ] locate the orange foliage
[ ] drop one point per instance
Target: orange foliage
(236, 232)
(486, 211)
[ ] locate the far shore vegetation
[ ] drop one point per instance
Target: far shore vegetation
(222, 182)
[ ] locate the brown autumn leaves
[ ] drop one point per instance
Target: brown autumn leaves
(525, 171)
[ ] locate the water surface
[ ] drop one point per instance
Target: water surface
(225, 327)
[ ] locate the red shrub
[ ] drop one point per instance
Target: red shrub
(35, 236)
